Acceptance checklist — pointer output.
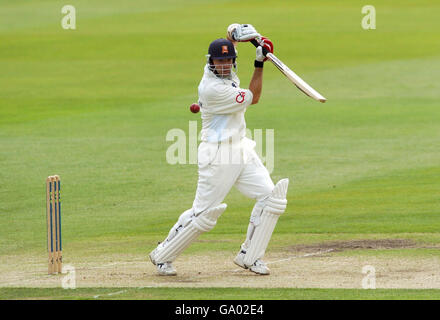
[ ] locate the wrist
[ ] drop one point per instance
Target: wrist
(258, 64)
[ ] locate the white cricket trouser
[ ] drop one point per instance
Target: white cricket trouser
(223, 165)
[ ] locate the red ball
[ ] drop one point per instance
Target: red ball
(194, 108)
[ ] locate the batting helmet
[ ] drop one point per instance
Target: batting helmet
(222, 49)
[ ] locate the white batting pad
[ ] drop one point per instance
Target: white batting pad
(168, 250)
(275, 206)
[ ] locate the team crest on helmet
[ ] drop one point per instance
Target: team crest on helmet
(225, 49)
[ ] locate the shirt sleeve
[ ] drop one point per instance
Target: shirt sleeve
(224, 99)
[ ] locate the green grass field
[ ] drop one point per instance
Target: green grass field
(94, 105)
(218, 294)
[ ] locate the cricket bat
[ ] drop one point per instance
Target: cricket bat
(292, 76)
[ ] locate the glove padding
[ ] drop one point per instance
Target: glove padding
(244, 32)
(266, 43)
(259, 54)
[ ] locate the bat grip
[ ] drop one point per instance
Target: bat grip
(256, 44)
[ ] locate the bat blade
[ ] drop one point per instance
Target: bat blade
(292, 76)
(295, 79)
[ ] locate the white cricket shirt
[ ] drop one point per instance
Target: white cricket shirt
(222, 104)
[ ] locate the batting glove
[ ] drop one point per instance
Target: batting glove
(259, 54)
(244, 32)
(267, 44)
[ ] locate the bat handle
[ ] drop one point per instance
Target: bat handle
(256, 44)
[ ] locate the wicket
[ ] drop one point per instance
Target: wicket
(53, 215)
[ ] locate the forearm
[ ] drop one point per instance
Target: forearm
(256, 84)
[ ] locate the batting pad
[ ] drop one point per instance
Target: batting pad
(275, 206)
(168, 251)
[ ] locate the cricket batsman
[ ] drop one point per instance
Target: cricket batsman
(226, 158)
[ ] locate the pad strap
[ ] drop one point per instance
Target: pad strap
(274, 207)
(169, 250)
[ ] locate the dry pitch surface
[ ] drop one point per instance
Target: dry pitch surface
(326, 265)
